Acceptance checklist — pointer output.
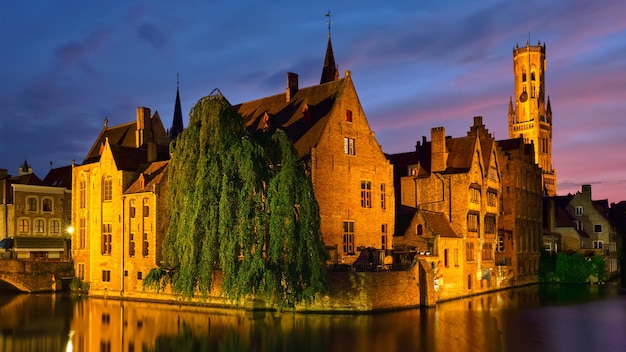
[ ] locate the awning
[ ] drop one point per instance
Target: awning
(38, 244)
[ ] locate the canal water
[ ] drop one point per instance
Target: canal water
(529, 319)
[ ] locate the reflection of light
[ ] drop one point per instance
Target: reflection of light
(70, 345)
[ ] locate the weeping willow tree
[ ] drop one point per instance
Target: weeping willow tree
(241, 205)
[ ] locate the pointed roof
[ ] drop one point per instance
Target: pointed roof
(303, 117)
(25, 167)
(59, 177)
(152, 174)
(329, 71)
(177, 121)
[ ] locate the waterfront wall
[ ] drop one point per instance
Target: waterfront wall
(348, 292)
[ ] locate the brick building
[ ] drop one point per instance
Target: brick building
(459, 179)
(117, 214)
(352, 178)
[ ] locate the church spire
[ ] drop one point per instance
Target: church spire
(177, 121)
(329, 71)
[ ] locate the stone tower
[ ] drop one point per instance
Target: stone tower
(530, 116)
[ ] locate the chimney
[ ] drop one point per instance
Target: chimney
(144, 132)
(152, 151)
(587, 191)
(478, 121)
(292, 85)
(439, 152)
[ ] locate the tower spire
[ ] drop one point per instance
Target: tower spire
(329, 71)
(177, 121)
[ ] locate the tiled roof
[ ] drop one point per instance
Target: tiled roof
(152, 173)
(439, 224)
(28, 179)
(59, 177)
(303, 127)
(123, 135)
(460, 154)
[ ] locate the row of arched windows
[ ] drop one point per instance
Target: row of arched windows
(39, 226)
(33, 205)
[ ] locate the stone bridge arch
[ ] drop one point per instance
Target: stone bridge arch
(34, 276)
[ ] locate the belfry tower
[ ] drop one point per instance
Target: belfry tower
(530, 116)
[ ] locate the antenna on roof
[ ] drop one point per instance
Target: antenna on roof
(329, 22)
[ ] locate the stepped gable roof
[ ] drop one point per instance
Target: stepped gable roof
(123, 135)
(59, 177)
(303, 117)
(439, 224)
(151, 173)
(28, 179)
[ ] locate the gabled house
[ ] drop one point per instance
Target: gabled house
(118, 205)
(352, 178)
(460, 179)
(583, 225)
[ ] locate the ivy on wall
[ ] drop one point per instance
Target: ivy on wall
(571, 268)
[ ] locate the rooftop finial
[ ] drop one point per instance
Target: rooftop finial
(177, 80)
(329, 22)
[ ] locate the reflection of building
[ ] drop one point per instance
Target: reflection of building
(116, 214)
(36, 213)
(458, 179)
(583, 226)
(530, 117)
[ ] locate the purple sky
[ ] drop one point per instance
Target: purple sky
(65, 65)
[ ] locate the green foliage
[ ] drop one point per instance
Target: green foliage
(573, 268)
(241, 204)
(78, 285)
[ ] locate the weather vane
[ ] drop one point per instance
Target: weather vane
(329, 22)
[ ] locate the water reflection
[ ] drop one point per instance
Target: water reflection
(534, 318)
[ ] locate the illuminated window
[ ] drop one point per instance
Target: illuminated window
(348, 237)
(579, 211)
(348, 146)
(24, 225)
(366, 194)
(40, 226)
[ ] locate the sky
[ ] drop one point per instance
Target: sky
(67, 65)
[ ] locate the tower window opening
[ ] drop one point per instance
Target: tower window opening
(532, 76)
(523, 76)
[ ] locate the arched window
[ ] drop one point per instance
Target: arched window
(523, 76)
(46, 205)
(532, 75)
(31, 203)
(107, 188)
(24, 226)
(40, 226)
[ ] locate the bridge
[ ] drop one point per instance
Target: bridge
(36, 276)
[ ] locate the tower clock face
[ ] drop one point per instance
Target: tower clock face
(523, 97)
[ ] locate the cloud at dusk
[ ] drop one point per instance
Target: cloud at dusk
(416, 65)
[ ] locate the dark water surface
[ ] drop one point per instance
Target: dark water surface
(533, 318)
